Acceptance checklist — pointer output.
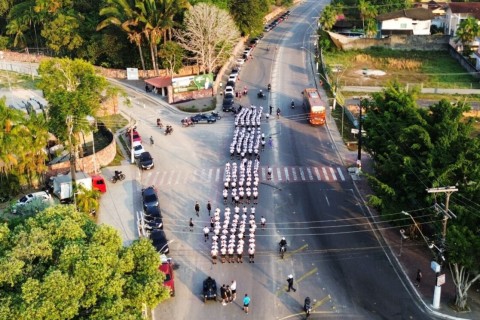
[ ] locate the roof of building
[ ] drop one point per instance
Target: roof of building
(473, 8)
(159, 82)
(414, 14)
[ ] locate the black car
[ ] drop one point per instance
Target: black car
(227, 105)
(159, 241)
(145, 161)
(150, 198)
(153, 218)
(230, 84)
(209, 289)
(206, 118)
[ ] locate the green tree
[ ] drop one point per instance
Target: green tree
(249, 15)
(125, 15)
(171, 55)
(328, 17)
(88, 201)
(367, 12)
(414, 148)
(59, 264)
(62, 32)
(466, 33)
(73, 91)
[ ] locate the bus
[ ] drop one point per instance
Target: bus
(315, 105)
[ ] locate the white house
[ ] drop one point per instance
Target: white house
(416, 21)
(458, 11)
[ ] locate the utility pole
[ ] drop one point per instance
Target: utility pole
(446, 212)
(72, 149)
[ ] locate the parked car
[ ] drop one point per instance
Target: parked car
(267, 28)
(235, 71)
(137, 149)
(159, 241)
(209, 289)
(149, 198)
(227, 104)
(145, 161)
(233, 77)
(229, 89)
(26, 199)
(205, 118)
(240, 61)
(135, 136)
(230, 83)
(167, 268)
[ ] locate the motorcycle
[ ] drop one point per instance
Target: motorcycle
(307, 307)
(216, 115)
(261, 95)
(269, 87)
(118, 176)
(187, 122)
(293, 105)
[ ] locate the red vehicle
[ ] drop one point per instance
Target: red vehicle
(315, 106)
(167, 268)
(134, 136)
(99, 183)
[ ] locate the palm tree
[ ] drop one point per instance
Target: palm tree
(467, 31)
(9, 137)
(169, 9)
(152, 20)
(22, 17)
(328, 17)
(125, 15)
(87, 200)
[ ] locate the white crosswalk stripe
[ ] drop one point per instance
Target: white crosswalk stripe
(217, 175)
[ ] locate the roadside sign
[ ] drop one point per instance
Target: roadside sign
(355, 131)
(440, 280)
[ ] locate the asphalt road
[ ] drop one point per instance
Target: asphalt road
(334, 255)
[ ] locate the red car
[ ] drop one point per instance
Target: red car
(167, 268)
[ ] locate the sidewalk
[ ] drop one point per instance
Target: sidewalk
(414, 255)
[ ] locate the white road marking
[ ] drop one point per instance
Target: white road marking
(203, 176)
(217, 175)
(210, 172)
(341, 174)
(171, 177)
(163, 178)
(326, 199)
(279, 174)
(309, 172)
(263, 174)
(317, 173)
(294, 174)
(286, 174)
(324, 170)
(302, 175)
(333, 174)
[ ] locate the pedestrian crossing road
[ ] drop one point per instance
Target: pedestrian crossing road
(214, 175)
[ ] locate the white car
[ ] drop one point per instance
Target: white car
(137, 149)
(233, 77)
(41, 195)
(240, 61)
(230, 90)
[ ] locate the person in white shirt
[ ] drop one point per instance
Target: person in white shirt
(206, 231)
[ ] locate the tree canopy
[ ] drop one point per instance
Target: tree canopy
(60, 265)
(416, 148)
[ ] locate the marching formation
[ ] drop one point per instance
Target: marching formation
(230, 239)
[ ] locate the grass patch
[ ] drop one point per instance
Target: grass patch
(114, 122)
(10, 79)
(196, 108)
(407, 67)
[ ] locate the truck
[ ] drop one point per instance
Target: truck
(61, 185)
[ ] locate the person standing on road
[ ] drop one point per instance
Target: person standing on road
(197, 208)
(233, 287)
(419, 277)
(223, 294)
(269, 172)
(229, 294)
(271, 110)
(262, 222)
(212, 223)
(246, 303)
(209, 207)
(206, 231)
(190, 224)
(290, 283)
(214, 253)
(251, 254)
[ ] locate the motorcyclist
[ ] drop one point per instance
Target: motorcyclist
(151, 140)
(269, 87)
(278, 113)
(260, 93)
(117, 174)
(283, 244)
(293, 104)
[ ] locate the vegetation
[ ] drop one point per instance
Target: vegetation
(467, 31)
(418, 69)
(59, 264)
(415, 148)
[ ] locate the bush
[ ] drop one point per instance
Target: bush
(3, 42)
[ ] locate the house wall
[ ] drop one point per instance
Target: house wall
(418, 27)
(452, 20)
